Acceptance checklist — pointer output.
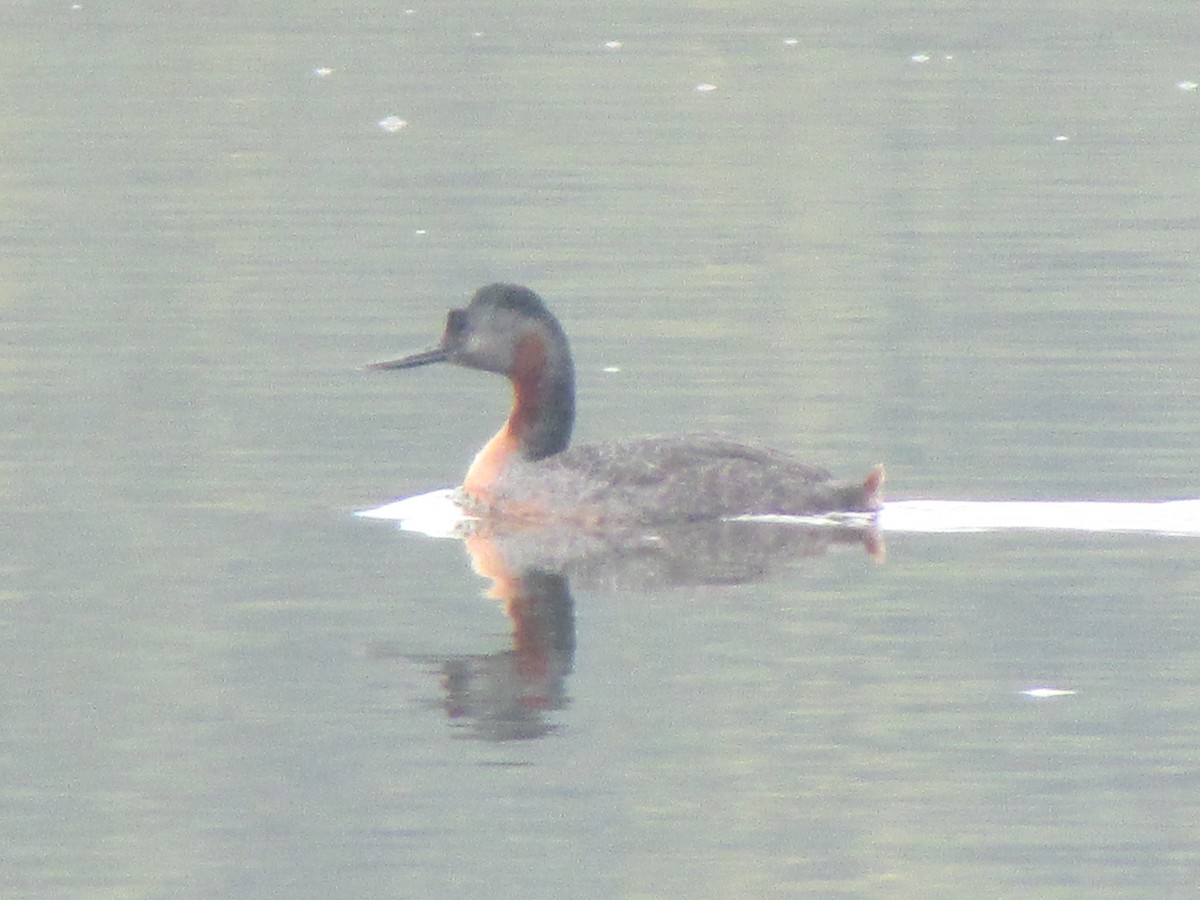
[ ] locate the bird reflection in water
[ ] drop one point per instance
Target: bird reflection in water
(512, 694)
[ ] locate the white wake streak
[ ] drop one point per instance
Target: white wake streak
(1181, 517)
(438, 515)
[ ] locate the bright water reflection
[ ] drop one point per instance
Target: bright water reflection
(438, 514)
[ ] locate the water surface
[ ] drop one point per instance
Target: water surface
(953, 239)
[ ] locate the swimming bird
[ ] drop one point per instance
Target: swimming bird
(529, 471)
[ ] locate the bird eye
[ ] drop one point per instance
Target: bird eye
(456, 321)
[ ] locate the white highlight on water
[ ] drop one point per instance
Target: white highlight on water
(438, 514)
(944, 516)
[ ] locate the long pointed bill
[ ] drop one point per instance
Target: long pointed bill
(424, 358)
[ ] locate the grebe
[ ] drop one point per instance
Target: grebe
(527, 472)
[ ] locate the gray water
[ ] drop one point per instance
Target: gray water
(956, 238)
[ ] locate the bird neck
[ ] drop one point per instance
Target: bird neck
(543, 383)
(542, 416)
